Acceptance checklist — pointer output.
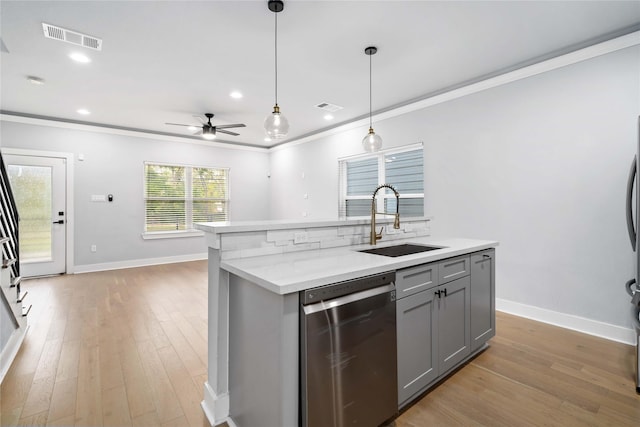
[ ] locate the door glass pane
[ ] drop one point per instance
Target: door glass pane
(31, 187)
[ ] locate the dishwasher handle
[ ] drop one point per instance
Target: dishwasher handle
(337, 302)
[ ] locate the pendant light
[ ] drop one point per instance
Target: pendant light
(371, 142)
(276, 125)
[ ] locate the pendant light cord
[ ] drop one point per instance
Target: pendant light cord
(370, 90)
(276, 56)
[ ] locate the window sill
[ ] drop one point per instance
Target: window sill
(151, 235)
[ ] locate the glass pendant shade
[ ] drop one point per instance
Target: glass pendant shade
(372, 142)
(276, 125)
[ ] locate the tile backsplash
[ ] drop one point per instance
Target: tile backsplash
(270, 242)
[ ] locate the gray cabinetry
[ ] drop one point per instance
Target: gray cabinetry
(482, 292)
(453, 323)
(437, 306)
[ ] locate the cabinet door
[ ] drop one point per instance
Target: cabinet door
(453, 319)
(417, 335)
(483, 311)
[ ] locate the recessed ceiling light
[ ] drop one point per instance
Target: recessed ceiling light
(35, 80)
(267, 139)
(83, 111)
(79, 57)
(235, 94)
(193, 128)
(328, 117)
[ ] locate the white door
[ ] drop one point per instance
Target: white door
(39, 187)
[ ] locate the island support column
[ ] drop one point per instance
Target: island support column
(216, 389)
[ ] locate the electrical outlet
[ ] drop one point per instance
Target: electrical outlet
(94, 248)
(300, 238)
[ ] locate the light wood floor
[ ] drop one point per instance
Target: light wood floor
(117, 348)
(128, 348)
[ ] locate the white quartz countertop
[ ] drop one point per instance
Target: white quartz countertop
(297, 271)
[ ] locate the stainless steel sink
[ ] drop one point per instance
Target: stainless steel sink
(400, 250)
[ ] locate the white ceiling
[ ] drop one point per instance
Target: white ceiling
(167, 61)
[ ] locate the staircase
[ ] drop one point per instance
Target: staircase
(13, 314)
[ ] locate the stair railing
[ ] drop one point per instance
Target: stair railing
(9, 224)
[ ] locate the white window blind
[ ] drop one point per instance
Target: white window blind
(178, 196)
(402, 168)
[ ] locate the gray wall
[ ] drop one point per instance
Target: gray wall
(113, 164)
(539, 164)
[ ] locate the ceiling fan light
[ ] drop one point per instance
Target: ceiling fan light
(372, 142)
(208, 133)
(276, 125)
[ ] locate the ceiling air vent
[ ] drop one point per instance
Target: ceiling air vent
(329, 107)
(73, 37)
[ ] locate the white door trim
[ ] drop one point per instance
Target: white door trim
(69, 157)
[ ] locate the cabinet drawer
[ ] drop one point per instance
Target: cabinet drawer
(415, 279)
(453, 268)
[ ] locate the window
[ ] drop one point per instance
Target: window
(178, 196)
(402, 168)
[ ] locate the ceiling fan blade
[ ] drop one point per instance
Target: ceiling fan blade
(227, 132)
(237, 125)
(181, 124)
(202, 120)
(198, 133)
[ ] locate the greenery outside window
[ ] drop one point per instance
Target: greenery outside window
(403, 168)
(177, 196)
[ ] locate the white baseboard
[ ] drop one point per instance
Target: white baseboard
(118, 265)
(11, 350)
(216, 407)
(568, 321)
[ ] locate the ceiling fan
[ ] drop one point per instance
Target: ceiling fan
(208, 130)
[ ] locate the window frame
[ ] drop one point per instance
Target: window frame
(382, 196)
(189, 230)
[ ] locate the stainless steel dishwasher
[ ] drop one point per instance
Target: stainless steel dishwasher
(348, 372)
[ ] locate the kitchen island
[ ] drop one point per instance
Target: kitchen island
(256, 271)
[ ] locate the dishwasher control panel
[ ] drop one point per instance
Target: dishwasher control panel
(336, 290)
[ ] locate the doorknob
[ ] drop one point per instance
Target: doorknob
(61, 221)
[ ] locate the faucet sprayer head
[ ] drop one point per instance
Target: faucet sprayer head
(396, 222)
